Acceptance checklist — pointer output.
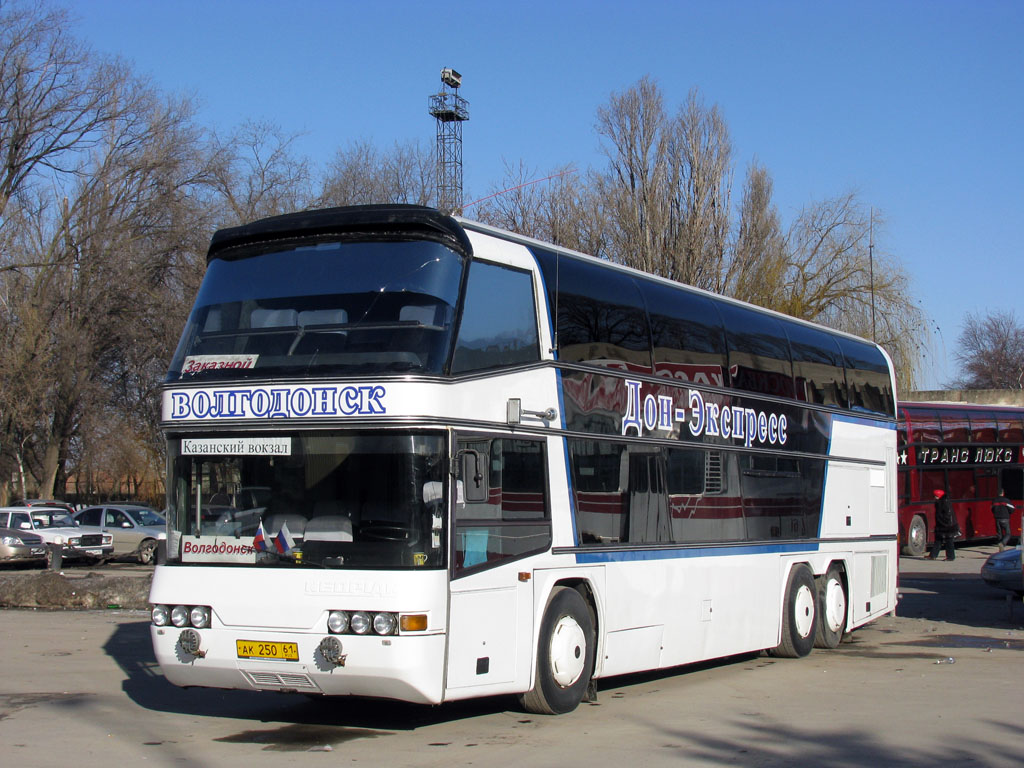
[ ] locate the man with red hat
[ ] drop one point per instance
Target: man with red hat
(946, 526)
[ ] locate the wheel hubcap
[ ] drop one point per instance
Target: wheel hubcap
(568, 651)
(835, 605)
(804, 611)
(917, 535)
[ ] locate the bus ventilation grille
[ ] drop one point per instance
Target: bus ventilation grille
(278, 680)
(713, 473)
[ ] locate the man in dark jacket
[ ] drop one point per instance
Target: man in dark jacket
(1001, 509)
(946, 526)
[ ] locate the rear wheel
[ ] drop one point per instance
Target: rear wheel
(917, 537)
(565, 655)
(799, 614)
(831, 609)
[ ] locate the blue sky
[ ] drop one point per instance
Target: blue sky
(918, 106)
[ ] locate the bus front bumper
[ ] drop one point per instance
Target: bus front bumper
(406, 668)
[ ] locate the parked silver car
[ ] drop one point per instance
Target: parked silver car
(1002, 570)
(135, 529)
(18, 545)
(55, 527)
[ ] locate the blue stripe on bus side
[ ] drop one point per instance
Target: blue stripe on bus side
(710, 551)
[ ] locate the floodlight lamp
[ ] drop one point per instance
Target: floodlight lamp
(450, 77)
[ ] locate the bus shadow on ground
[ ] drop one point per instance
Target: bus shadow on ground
(306, 716)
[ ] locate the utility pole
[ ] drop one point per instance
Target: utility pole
(871, 266)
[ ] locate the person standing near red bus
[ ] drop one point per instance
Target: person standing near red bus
(1001, 509)
(945, 526)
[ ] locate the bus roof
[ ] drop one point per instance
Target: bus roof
(363, 221)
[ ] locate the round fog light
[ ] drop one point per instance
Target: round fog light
(384, 623)
(330, 649)
(179, 616)
(360, 622)
(189, 642)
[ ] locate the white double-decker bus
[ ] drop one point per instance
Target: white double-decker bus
(415, 457)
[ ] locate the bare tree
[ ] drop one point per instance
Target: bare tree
(55, 97)
(759, 261)
(667, 185)
(634, 186)
(991, 352)
(255, 174)
(363, 175)
(701, 150)
(88, 270)
(557, 207)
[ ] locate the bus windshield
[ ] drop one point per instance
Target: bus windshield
(322, 309)
(330, 499)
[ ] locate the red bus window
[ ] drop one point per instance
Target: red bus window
(961, 484)
(956, 428)
(983, 428)
(1010, 430)
(924, 426)
(930, 480)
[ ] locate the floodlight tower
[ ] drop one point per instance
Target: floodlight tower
(451, 111)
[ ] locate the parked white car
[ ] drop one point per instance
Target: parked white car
(136, 530)
(56, 527)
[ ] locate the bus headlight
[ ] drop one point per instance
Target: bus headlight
(384, 623)
(179, 615)
(360, 622)
(341, 622)
(337, 622)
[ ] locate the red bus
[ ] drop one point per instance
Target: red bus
(969, 451)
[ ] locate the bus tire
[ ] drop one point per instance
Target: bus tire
(832, 605)
(565, 655)
(917, 537)
(799, 614)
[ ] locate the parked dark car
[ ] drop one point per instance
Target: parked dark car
(1002, 570)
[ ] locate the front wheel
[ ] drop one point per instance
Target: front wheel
(917, 537)
(147, 552)
(799, 614)
(565, 655)
(832, 609)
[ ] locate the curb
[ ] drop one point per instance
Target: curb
(55, 591)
